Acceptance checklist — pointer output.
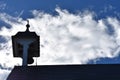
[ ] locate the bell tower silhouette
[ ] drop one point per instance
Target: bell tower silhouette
(26, 45)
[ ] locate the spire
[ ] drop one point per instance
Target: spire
(27, 26)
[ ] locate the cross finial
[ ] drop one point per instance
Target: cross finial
(27, 25)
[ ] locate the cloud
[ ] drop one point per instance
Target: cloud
(66, 38)
(4, 74)
(107, 8)
(75, 38)
(2, 5)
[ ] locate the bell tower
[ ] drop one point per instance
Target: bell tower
(26, 45)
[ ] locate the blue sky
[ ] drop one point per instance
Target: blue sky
(15, 6)
(72, 31)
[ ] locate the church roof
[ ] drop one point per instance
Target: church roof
(26, 34)
(66, 72)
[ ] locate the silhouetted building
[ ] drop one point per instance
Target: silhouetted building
(66, 72)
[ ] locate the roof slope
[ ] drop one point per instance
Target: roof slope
(66, 72)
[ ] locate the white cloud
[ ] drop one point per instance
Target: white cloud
(4, 74)
(66, 38)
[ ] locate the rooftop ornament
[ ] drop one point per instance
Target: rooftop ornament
(27, 26)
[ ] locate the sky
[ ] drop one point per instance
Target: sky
(71, 32)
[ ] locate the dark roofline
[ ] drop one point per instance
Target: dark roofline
(67, 72)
